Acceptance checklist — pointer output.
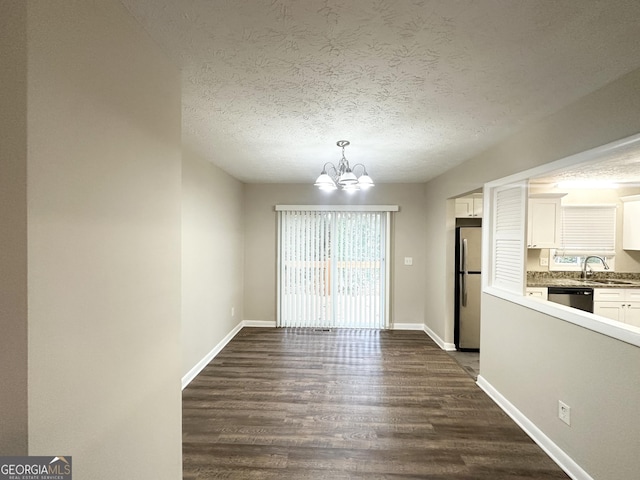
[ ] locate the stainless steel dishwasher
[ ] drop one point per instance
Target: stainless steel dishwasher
(576, 297)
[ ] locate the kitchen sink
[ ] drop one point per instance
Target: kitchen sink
(611, 282)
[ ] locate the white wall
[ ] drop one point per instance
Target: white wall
(104, 243)
(408, 233)
(212, 257)
(533, 359)
(13, 230)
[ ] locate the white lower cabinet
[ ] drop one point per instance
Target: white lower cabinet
(620, 304)
(537, 292)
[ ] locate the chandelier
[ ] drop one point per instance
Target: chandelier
(343, 175)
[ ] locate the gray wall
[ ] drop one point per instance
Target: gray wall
(533, 359)
(104, 200)
(408, 233)
(212, 257)
(13, 233)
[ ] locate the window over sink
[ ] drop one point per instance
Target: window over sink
(574, 263)
(585, 230)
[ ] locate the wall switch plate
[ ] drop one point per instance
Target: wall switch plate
(564, 412)
(408, 260)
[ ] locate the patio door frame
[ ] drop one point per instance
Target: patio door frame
(384, 209)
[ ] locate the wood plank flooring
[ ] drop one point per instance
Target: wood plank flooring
(347, 404)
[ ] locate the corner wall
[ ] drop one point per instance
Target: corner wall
(13, 230)
(521, 361)
(104, 197)
(212, 257)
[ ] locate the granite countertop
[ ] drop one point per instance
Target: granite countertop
(572, 279)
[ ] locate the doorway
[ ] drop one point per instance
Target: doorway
(332, 269)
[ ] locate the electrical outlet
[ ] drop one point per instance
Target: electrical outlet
(544, 261)
(233, 311)
(408, 260)
(564, 412)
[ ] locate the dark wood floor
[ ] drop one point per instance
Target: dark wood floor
(303, 404)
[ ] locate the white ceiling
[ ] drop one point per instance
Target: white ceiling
(417, 86)
(621, 166)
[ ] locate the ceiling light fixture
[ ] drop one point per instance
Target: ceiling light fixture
(343, 175)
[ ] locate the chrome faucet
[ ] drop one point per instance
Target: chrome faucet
(586, 274)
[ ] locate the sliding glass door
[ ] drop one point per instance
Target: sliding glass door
(332, 269)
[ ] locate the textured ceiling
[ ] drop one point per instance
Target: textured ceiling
(417, 86)
(621, 167)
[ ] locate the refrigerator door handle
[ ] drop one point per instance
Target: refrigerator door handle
(464, 272)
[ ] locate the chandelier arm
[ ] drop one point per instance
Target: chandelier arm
(364, 169)
(331, 170)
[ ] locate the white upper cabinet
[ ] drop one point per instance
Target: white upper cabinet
(469, 206)
(544, 220)
(631, 223)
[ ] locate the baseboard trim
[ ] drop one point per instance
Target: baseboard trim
(259, 323)
(564, 461)
(193, 373)
(448, 347)
(407, 326)
(423, 328)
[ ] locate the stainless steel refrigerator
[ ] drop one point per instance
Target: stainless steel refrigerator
(468, 287)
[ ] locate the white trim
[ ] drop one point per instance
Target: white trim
(259, 323)
(387, 269)
(446, 346)
(564, 461)
(337, 208)
(198, 367)
(407, 326)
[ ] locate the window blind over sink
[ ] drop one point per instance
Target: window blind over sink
(588, 229)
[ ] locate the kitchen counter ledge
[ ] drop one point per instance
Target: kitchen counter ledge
(554, 281)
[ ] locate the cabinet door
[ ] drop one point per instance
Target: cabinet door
(631, 225)
(612, 310)
(464, 207)
(610, 294)
(470, 206)
(477, 206)
(543, 223)
(632, 314)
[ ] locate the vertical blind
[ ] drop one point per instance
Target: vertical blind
(332, 269)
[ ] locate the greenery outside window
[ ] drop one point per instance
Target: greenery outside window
(573, 263)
